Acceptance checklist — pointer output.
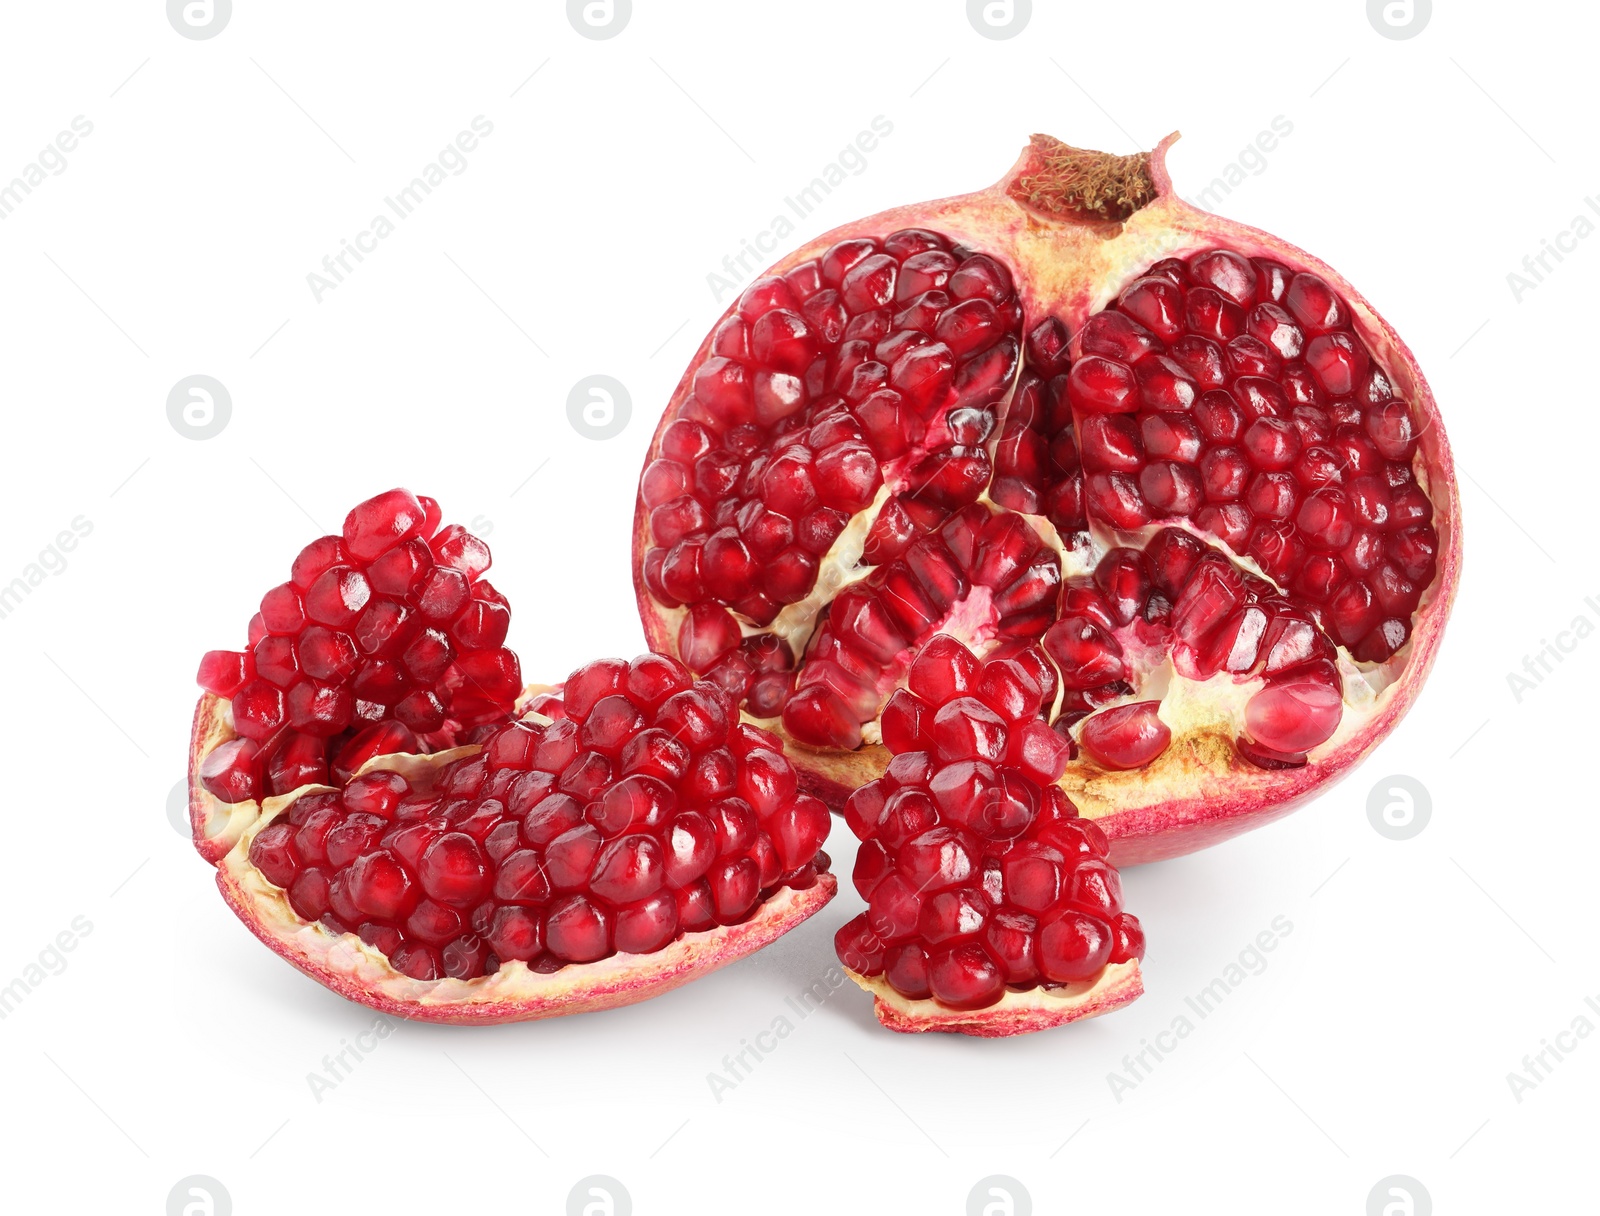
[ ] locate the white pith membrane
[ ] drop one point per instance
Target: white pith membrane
(349, 966)
(1019, 1011)
(1205, 716)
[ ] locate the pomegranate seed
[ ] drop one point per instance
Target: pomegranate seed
(967, 729)
(229, 772)
(1293, 716)
(1072, 946)
(381, 523)
(1086, 652)
(273, 853)
(1129, 736)
(1314, 304)
(1157, 304)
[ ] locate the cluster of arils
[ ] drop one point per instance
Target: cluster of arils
(384, 639)
(1233, 394)
(1219, 448)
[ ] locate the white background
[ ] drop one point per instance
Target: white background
(177, 241)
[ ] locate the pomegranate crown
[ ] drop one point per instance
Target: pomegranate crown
(1063, 182)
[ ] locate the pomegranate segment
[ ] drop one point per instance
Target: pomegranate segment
(385, 639)
(982, 881)
(1222, 505)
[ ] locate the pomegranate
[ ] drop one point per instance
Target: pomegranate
(447, 847)
(991, 907)
(1183, 457)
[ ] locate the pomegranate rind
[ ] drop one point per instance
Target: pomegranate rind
(215, 825)
(1017, 1012)
(1201, 792)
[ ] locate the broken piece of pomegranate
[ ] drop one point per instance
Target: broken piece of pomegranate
(1182, 455)
(991, 907)
(623, 835)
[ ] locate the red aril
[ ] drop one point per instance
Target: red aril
(1126, 736)
(535, 852)
(1182, 454)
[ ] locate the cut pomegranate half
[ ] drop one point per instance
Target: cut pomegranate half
(1181, 454)
(589, 846)
(991, 907)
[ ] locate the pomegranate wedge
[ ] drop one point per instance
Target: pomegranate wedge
(991, 907)
(488, 857)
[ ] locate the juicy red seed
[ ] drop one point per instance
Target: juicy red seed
(1087, 653)
(628, 868)
(859, 948)
(273, 853)
(453, 870)
(316, 557)
(944, 668)
(1128, 736)
(433, 923)
(965, 977)
(381, 523)
(282, 610)
(1293, 716)
(577, 930)
(382, 887)
(231, 772)
(967, 729)
(418, 961)
(816, 715)
(906, 969)
(1127, 939)
(258, 710)
(708, 632)
(646, 926)
(224, 672)
(1072, 946)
